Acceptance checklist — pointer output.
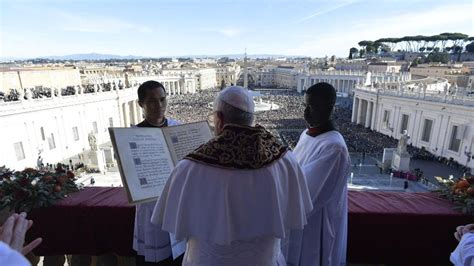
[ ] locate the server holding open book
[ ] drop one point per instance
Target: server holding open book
(146, 155)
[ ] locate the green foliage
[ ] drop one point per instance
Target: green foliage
(438, 57)
(415, 43)
(460, 191)
(352, 51)
(470, 47)
(365, 43)
(416, 62)
(31, 188)
(454, 36)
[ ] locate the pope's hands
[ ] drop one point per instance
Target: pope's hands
(463, 229)
(13, 233)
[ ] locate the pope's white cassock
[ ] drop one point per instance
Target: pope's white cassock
(464, 253)
(9, 256)
(326, 163)
(234, 198)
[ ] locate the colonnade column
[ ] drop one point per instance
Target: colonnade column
(359, 111)
(140, 113)
(372, 119)
(355, 109)
(368, 115)
(132, 109)
(178, 86)
(126, 115)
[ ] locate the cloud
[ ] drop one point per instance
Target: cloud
(324, 11)
(102, 24)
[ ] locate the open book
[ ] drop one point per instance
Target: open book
(146, 156)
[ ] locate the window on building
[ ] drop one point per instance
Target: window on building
(455, 140)
(51, 142)
(427, 130)
(20, 153)
(94, 127)
(42, 133)
(75, 133)
(111, 122)
(404, 125)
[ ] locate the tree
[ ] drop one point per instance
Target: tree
(415, 62)
(457, 38)
(385, 48)
(352, 51)
(457, 50)
(422, 49)
(470, 47)
(390, 42)
(408, 43)
(443, 39)
(438, 57)
(368, 46)
(417, 42)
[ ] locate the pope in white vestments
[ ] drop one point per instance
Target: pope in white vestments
(463, 255)
(322, 153)
(233, 198)
(9, 256)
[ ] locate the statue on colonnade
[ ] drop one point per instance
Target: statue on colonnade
(402, 143)
(92, 141)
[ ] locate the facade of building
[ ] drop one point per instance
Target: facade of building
(228, 74)
(389, 67)
(345, 81)
(26, 78)
(206, 79)
(455, 74)
(354, 65)
(266, 76)
(438, 121)
(180, 81)
(58, 128)
(284, 77)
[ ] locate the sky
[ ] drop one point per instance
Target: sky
(155, 28)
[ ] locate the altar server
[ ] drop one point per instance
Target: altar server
(322, 153)
(153, 245)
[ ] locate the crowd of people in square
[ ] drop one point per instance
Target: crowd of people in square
(288, 122)
(41, 92)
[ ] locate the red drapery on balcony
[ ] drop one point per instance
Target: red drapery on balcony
(384, 227)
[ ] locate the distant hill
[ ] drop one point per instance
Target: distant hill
(97, 56)
(253, 56)
(91, 56)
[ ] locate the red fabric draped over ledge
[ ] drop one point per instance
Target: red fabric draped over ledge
(384, 227)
